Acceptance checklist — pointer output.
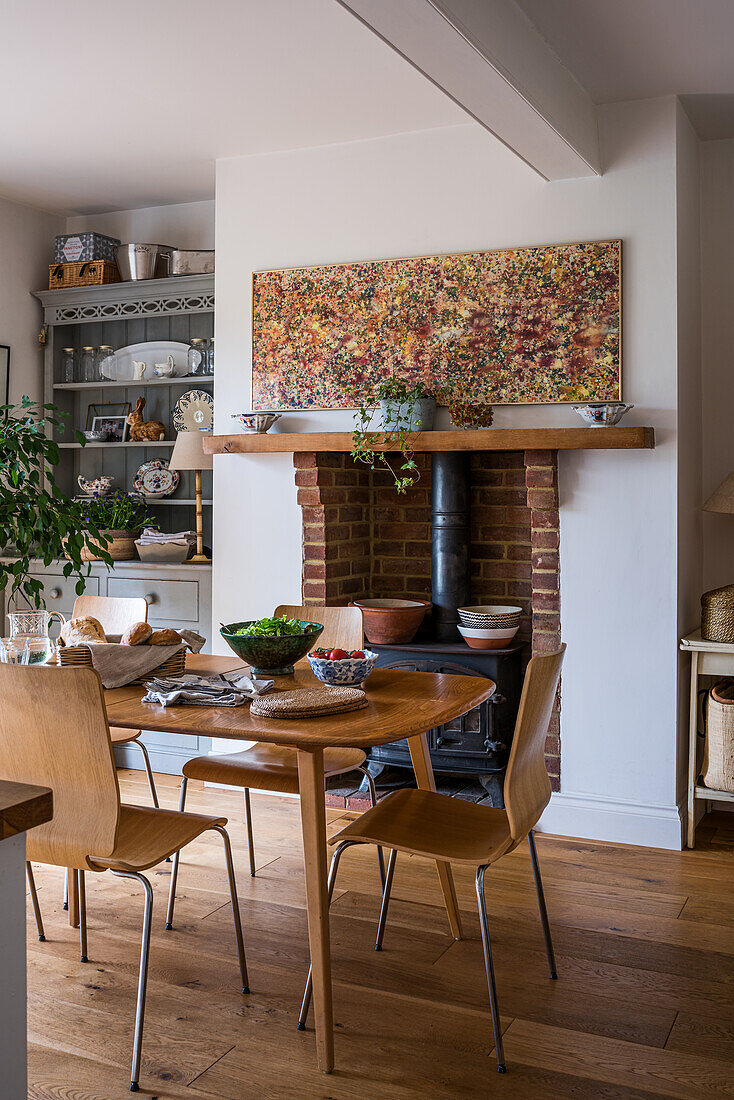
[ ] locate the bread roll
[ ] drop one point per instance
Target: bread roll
(165, 637)
(82, 631)
(137, 634)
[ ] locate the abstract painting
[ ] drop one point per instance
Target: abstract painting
(515, 326)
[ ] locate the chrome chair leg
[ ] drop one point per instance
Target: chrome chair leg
(65, 903)
(82, 891)
(142, 977)
(373, 802)
(306, 1002)
(541, 906)
(34, 902)
(385, 898)
(174, 867)
(488, 966)
(149, 772)
(250, 839)
(235, 906)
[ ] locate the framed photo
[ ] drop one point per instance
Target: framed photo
(112, 408)
(4, 374)
(114, 426)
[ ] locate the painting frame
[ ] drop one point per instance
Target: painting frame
(115, 426)
(615, 376)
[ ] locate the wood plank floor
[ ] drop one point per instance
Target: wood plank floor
(644, 1004)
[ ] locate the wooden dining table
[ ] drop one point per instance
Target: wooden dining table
(400, 705)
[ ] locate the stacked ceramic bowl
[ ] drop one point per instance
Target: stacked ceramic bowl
(489, 626)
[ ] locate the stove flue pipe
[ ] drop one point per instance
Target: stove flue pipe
(450, 541)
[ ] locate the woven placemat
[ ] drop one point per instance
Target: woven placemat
(309, 703)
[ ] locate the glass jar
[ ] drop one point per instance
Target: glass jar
(105, 362)
(69, 365)
(210, 356)
(88, 365)
(196, 356)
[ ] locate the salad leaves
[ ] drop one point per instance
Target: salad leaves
(274, 627)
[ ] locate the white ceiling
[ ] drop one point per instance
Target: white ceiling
(110, 106)
(638, 49)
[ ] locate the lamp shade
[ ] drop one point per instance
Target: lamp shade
(722, 499)
(188, 452)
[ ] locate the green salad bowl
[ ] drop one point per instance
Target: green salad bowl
(271, 654)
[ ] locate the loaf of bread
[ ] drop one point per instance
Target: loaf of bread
(82, 631)
(137, 634)
(165, 637)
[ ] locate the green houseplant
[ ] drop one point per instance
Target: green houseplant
(406, 408)
(118, 518)
(38, 520)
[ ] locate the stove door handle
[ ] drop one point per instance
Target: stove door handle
(497, 698)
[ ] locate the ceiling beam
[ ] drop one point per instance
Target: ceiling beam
(488, 57)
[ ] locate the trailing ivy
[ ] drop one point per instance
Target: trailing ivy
(397, 430)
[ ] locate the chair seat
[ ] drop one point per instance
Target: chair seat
(424, 823)
(267, 767)
(120, 736)
(146, 836)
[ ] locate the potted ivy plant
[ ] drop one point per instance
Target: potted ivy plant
(38, 520)
(405, 408)
(118, 518)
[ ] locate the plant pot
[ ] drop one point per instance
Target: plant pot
(413, 416)
(391, 622)
(120, 546)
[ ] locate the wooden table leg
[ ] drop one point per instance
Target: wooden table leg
(313, 826)
(423, 769)
(73, 897)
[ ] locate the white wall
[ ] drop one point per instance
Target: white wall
(26, 250)
(183, 225)
(717, 296)
(458, 189)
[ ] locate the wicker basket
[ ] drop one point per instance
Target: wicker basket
(89, 273)
(717, 614)
(718, 756)
(80, 656)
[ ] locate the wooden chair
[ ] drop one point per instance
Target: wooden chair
(424, 823)
(54, 731)
(274, 767)
(116, 614)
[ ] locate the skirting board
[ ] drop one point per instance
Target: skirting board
(592, 817)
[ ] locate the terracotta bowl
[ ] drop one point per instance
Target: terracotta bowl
(391, 622)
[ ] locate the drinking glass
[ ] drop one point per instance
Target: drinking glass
(14, 652)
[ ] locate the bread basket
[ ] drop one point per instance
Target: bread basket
(80, 656)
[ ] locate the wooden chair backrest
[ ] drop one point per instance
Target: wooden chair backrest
(342, 625)
(54, 732)
(115, 613)
(527, 787)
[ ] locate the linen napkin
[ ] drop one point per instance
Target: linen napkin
(230, 690)
(118, 664)
(151, 535)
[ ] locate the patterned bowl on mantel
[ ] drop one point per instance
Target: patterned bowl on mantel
(601, 414)
(348, 672)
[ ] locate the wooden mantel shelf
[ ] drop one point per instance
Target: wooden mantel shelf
(488, 439)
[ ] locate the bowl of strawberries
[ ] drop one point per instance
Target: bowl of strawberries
(341, 667)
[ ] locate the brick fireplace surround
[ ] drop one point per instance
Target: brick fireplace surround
(362, 539)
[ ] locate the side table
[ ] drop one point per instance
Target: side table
(707, 659)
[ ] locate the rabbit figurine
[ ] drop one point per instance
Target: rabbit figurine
(140, 429)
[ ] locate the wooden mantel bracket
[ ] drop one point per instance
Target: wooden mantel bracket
(486, 439)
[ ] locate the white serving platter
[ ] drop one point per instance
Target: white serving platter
(150, 352)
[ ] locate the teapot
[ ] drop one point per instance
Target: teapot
(100, 486)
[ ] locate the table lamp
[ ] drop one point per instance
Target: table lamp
(188, 454)
(722, 499)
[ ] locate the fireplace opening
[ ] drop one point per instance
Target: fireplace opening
(476, 528)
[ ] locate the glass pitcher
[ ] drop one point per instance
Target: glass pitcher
(32, 627)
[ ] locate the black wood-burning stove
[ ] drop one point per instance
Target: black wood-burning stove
(477, 744)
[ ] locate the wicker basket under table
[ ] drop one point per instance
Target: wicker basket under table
(80, 656)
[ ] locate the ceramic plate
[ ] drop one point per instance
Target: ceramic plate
(154, 479)
(152, 351)
(194, 412)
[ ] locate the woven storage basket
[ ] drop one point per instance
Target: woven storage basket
(718, 756)
(80, 656)
(309, 703)
(717, 614)
(88, 273)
